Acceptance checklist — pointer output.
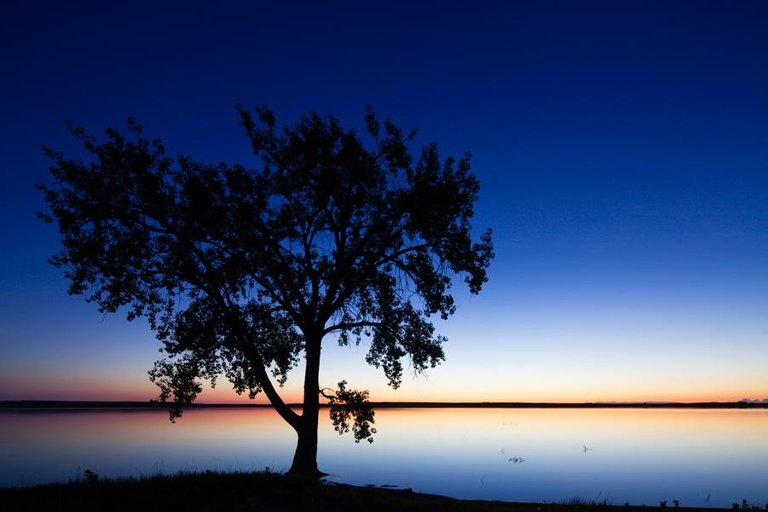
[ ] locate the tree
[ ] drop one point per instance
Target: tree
(244, 272)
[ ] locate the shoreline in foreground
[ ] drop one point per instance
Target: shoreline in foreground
(270, 492)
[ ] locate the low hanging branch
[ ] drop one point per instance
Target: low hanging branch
(349, 404)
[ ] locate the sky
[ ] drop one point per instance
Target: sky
(621, 147)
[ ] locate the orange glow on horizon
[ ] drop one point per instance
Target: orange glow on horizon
(228, 396)
(99, 388)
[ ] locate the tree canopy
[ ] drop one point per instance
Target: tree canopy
(242, 272)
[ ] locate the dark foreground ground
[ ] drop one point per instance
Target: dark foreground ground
(267, 492)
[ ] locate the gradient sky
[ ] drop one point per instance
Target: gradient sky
(622, 150)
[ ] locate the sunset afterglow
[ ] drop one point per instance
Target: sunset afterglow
(620, 150)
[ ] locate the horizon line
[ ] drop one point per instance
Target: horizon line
(114, 404)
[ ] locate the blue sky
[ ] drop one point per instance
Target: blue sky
(622, 150)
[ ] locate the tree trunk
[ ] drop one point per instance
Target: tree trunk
(305, 458)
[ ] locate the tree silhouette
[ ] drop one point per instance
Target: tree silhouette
(244, 272)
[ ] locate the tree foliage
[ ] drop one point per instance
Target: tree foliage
(349, 404)
(242, 271)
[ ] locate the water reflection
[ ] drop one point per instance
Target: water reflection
(58, 446)
(699, 457)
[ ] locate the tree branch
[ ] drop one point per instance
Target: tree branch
(350, 325)
(273, 396)
(387, 258)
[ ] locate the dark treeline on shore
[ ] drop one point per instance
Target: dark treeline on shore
(64, 404)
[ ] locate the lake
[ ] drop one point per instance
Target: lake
(701, 457)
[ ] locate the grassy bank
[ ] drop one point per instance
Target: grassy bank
(240, 492)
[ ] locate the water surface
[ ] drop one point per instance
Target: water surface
(701, 457)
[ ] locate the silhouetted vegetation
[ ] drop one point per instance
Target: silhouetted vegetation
(263, 492)
(244, 272)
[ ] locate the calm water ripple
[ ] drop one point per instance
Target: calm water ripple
(700, 457)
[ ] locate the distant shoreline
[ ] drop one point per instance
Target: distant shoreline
(64, 404)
